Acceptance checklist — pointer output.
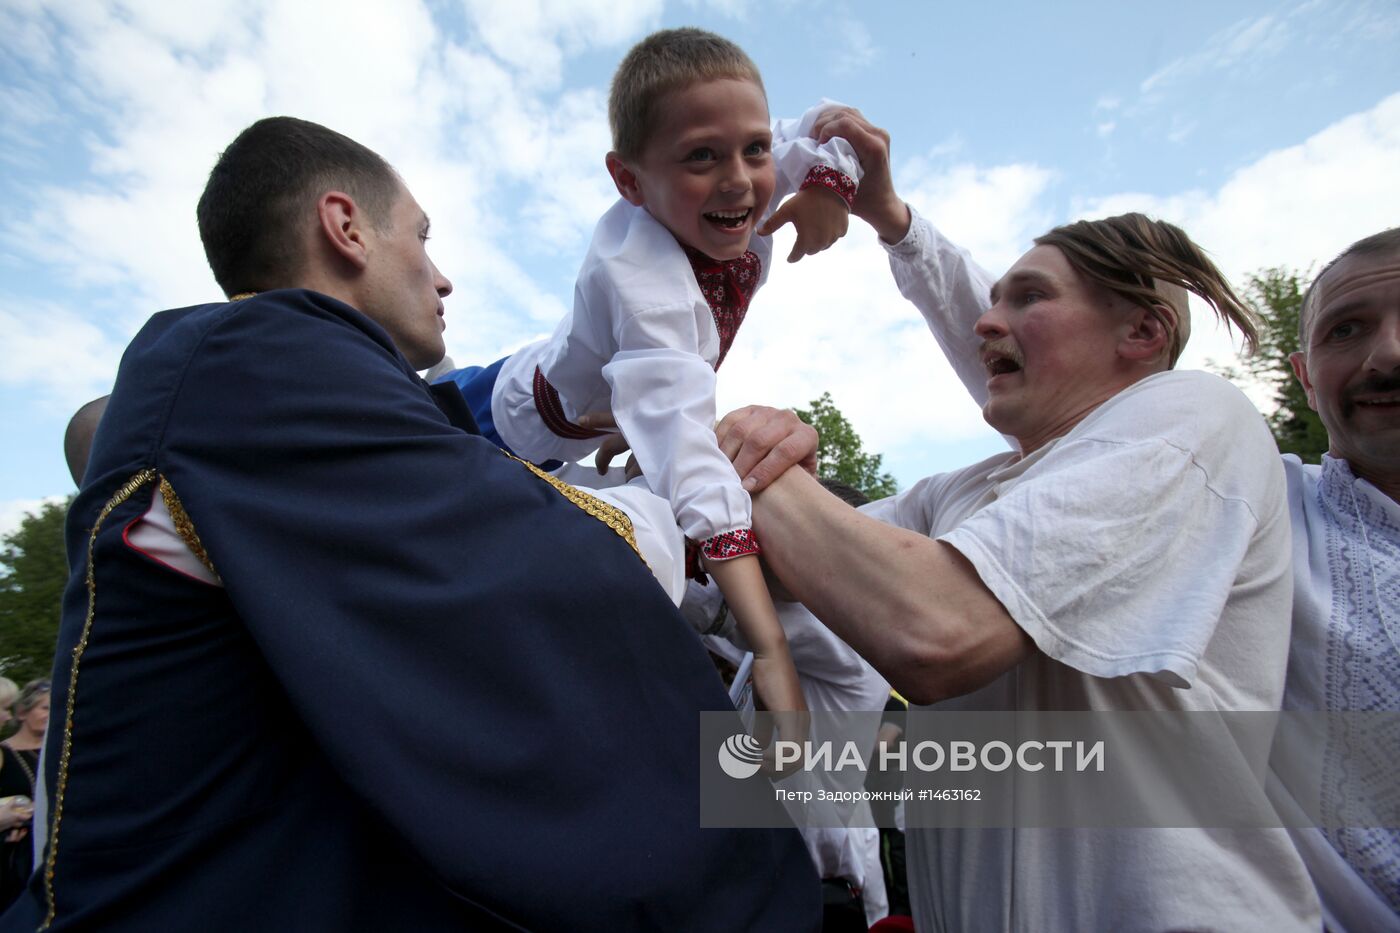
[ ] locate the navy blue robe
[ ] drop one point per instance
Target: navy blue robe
(432, 692)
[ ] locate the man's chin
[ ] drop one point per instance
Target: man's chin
(997, 416)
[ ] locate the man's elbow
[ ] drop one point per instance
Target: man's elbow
(927, 670)
(930, 666)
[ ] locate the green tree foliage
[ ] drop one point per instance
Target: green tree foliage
(33, 572)
(1277, 295)
(840, 456)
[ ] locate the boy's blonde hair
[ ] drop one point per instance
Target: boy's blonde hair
(663, 62)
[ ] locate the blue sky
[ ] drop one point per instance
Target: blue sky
(1270, 131)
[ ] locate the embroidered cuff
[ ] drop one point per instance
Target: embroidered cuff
(838, 182)
(915, 239)
(731, 544)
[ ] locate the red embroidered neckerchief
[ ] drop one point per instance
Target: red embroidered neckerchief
(727, 285)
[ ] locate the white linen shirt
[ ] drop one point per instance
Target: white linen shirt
(1146, 553)
(641, 341)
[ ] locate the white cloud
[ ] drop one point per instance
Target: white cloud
(1181, 129)
(14, 511)
(1297, 206)
(1246, 41)
(464, 120)
(993, 211)
(57, 353)
(534, 36)
(856, 49)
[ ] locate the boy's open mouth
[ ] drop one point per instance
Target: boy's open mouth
(729, 219)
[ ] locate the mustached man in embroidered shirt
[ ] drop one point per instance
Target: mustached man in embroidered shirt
(1345, 652)
(662, 292)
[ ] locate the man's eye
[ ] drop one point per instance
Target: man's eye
(1026, 298)
(1342, 331)
(755, 149)
(703, 154)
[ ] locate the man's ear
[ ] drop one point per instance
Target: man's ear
(1147, 337)
(342, 224)
(628, 184)
(1299, 359)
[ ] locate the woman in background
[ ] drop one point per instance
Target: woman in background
(18, 769)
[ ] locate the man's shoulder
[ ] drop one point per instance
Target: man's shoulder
(1183, 407)
(1200, 419)
(291, 320)
(1187, 387)
(1302, 477)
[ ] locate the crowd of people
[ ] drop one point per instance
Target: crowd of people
(342, 650)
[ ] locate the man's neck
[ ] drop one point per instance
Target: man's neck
(1386, 480)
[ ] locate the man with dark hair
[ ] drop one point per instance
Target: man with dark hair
(330, 661)
(252, 215)
(1131, 553)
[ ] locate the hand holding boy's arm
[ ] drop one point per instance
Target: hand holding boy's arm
(875, 202)
(819, 215)
(764, 442)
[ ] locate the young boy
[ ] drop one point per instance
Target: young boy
(662, 292)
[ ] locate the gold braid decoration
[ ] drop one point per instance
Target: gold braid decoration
(241, 296)
(184, 526)
(609, 515)
(61, 786)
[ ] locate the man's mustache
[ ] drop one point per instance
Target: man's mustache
(1376, 384)
(1001, 346)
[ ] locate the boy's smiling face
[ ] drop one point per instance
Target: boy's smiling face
(706, 172)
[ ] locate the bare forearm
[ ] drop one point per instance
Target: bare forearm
(741, 581)
(775, 677)
(913, 607)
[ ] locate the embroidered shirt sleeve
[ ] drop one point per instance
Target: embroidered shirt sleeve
(796, 154)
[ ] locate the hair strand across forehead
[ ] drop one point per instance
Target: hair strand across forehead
(1141, 260)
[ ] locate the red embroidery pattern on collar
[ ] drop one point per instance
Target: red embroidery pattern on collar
(728, 286)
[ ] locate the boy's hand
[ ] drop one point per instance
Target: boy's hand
(778, 693)
(876, 202)
(818, 214)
